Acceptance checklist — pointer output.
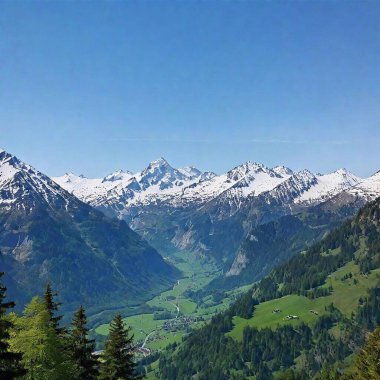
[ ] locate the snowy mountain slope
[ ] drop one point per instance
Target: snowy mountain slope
(328, 185)
(95, 191)
(307, 188)
(226, 194)
(368, 188)
(119, 175)
(255, 179)
(159, 181)
(292, 188)
(246, 179)
(23, 187)
(47, 234)
(161, 184)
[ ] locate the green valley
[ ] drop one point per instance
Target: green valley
(173, 312)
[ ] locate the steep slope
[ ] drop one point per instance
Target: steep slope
(306, 317)
(268, 244)
(47, 234)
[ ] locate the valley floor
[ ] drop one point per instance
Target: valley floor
(174, 312)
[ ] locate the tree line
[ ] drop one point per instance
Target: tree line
(34, 345)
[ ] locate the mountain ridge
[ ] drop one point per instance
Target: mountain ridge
(49, 235)
(188, 184)
(193, 213)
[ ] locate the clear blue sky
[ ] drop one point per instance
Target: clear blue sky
(91, 87)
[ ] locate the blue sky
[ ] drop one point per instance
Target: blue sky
(91, 87)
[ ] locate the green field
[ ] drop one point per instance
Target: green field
(345, 296)
(141, 325)
(197, 273)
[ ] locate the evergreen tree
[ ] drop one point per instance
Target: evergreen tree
(81, 347)
(368, 361)
(43, 350)
(52, 307)
(10, 362)
(118, 354)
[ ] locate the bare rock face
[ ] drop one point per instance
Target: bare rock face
(239, 264)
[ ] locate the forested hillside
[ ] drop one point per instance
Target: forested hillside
(307, 319)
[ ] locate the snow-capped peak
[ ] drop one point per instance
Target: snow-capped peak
(341, 172)
(22, 186)
(160, 173)
(159, 162)
(248, 168)
(304, 173)
(329, 185)
(119, 175)
(368, 188)
(8, 167)
(282, 171)
(292, 187)
(157, 166)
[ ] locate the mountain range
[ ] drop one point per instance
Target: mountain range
(187, 209)
(49, 235)
(161, 183)
(96, 237)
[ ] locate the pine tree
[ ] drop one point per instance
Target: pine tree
(10, 362)
(118, 354)
(80, 347)
(43, 351)
(52, 307)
